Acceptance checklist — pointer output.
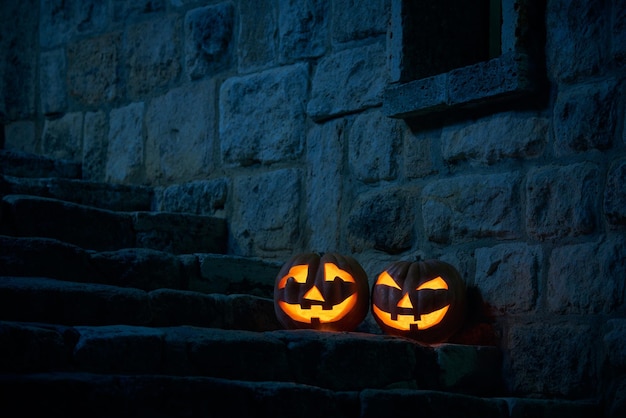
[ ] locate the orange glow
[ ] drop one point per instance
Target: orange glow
(404, 322)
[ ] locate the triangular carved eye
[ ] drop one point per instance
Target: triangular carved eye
(331, 271)
(434, 284)
(386, 280)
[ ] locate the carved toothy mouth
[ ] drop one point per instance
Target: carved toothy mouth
(307, 314)
(408, 322)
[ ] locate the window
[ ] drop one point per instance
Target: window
(459, 54)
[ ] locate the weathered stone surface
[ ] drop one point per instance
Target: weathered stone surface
(266, 213)
(348, 81)
(138, 9)
(383, 221)
(140, 268)
(615, 195)
(506, 276)
(69, 303)
(61, 21)
(209, 38)
(359, 20)
(27, 348)
(302, 29)
(179, 233)
(62, 138)
(491, 140)
(474, 370)
(20, 136)
(585, 117)
(560, 200)
(547, 408)
(571, 24)
(125, 154)
(405, 403)
(200, 197)
(92, 69)
(614, 343)
(372, 160)
(24, 164)
(325, 163)
(248, 312)
(18, 66)
(180, 126)
(88, 227)
(417, 151)
(52, 82)
(262, 116)
(152, 54)
(257, 37)
(618, 31)
(470, 207)
(141, 348)
(234, 274)
(551, 357)
(101, 195)
(597, 267)
(95, 146)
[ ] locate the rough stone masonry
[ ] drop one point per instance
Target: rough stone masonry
(268, 114)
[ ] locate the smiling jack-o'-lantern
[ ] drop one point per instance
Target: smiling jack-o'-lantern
(422, 300)
(328, 292)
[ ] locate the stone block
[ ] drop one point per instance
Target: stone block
(506, 276)
(179, 134)
(348, 81)
(618, 31)
(325, 165)
(124, 11)
(63, 138)
(418, 155)
(470, 207)
(493, 139)
(561, 200)
(569, 54)
(152, 54)
(585, 117)
(92, 69)
(230, 274)
(552, 358)
(61, 21)
(20, 136)
(262, 117)
(614, 344)
(125, 153)
(372, 160)
(257, 47)
(266, 208)
(473, 370)
(587, 278)
(429, 94)
(199, 197)
(354, 21)
(95, 146)
(303, 28)
(382, 220)
(615, 195)
(208, 39)
(52, 69)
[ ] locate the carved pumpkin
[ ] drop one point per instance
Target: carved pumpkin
(328, 292)
(422, 300)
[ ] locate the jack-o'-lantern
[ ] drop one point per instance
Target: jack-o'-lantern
(421, 300)
(324, 292)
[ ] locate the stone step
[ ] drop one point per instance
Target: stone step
(23, 164)
(101, 195)
(339, 361)
(105, 230)
(138, 396)
(52, 301)
(141, 268)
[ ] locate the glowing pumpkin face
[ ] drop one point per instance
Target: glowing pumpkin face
(422, 300)
(330, 292)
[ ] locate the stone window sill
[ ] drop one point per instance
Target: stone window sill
(509, 77)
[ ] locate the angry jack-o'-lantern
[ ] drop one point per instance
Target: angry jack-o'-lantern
(422, 300)
(328, 292)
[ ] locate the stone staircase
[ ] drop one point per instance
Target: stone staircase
(108, 308)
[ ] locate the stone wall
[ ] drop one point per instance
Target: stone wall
(268, 113)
